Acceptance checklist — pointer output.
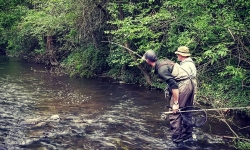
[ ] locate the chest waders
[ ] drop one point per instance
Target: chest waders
(179, 74)
(179, 128)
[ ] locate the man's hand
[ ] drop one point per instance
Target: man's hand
(175, 108)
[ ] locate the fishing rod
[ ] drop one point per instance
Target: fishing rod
(125, 48)
(196, 116)
(212, 109)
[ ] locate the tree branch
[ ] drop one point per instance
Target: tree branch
(233, 137)
(242, 59)
(125, 48)
(224, 120)
(243, 45)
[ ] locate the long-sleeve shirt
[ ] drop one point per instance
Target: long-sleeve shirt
(189, 66)
(164, 69)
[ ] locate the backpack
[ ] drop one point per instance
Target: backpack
(178, 72)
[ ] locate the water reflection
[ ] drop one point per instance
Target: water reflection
(40, 110)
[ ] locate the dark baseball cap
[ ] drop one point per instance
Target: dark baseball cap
(150, 55)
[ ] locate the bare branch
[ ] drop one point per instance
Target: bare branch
(231, 33)
(243, 45)
(231, 137)
(242, 59)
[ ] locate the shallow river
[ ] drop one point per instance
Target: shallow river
(41, 110)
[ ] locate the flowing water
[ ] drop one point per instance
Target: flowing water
(42, 110)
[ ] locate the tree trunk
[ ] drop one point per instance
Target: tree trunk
(50, 51)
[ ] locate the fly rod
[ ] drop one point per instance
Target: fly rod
(197, 110)
(125, 48)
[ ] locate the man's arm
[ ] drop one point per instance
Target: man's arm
(166, 75)
(175, 95)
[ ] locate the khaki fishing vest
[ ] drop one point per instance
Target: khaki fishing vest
(179, 73)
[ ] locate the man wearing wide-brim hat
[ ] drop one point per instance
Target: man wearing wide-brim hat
(186, 61)
(188, 65)
(183, 51)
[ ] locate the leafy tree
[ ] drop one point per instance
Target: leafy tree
(89, 56)
(139, 25)
(44, 24)
(11, 12)
(52, 31)
(215, 31)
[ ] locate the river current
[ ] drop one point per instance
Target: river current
(41, 110)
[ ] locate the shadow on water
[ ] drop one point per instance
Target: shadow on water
(40, 110)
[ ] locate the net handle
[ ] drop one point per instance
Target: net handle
(212, 109)
(195, 119)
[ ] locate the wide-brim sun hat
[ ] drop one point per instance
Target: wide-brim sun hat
(183, 51)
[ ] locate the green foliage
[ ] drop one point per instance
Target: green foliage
(48, 18)
(242, 145)
(141, 30)
(85, 62)
(37, 20)
(216, 33)
(131, 76)
(216, 91)
(118, 56)
(215, 53)
(10, 14)
(237, 74)
(38, 29)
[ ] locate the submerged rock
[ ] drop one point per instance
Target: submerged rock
(54, 117)
(39, 122)
(30, 121)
